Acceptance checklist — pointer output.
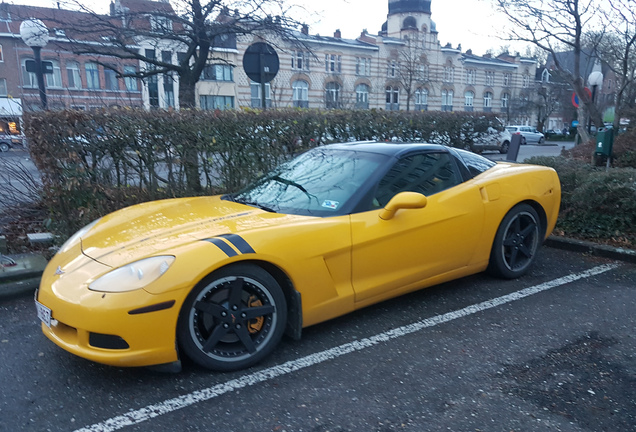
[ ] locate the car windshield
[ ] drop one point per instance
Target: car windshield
(321, 182)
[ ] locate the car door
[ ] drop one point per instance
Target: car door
(416, 244)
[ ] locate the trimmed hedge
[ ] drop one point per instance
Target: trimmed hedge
(595, 205)
(95, 162)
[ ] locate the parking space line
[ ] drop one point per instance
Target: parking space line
(170, 405)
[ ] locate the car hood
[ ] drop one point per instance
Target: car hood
(152, 228)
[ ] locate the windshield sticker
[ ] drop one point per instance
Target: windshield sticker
(330, 204)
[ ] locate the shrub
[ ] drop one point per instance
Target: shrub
(95, 162)
(595, 204)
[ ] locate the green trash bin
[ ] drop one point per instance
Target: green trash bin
(604, 141)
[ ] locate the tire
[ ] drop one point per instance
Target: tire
(524, 141)
(541, 141)
(232, 319)
(4, 147)
(504, 147)
(516, 243)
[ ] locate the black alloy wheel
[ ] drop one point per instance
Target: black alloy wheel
(233, 318)
(516, 243)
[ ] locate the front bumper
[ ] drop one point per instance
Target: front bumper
(132, 328)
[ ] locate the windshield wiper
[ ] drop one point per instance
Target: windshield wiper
(290, 183)
(253, 204)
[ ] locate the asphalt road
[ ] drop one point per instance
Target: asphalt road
(552, 351)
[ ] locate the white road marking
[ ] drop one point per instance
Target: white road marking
(170, 405)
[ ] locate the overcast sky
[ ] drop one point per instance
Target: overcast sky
(473, 23)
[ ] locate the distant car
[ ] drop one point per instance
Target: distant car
(494, 140)
(7, 142)
(341, 227)
(528, 134)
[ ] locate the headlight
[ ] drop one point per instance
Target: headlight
(133, 276)
(76, 237)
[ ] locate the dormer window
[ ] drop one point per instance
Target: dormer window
(160, 23)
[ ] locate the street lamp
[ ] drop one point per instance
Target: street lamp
(35, 34)
(595, 79)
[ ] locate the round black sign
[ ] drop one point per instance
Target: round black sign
(260, 62)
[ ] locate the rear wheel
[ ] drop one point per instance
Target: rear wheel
(516, 243)
(233, 319)
(4, 147)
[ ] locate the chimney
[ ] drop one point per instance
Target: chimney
(305, 29)
(112, 8)
(469, 51)
(337, 34)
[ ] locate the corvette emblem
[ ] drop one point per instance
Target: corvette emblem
(59, 271)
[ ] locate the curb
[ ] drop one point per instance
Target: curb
(582, 246)
(26, 279)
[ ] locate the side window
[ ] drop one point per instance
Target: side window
(425, 173)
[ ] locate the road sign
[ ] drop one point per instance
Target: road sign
(260, 62)
(47, 66)
(575, 98)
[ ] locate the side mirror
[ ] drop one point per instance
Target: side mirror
(403, 200)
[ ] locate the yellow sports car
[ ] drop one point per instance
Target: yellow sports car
(220, 279)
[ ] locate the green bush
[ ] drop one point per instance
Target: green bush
(95, 162)
(595, 204)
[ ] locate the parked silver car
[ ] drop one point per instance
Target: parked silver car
(493, 140)
(528, 134)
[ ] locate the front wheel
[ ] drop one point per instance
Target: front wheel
(541, 141)
(516, 243)
(233, 319)
(504, 147)
(4, 147)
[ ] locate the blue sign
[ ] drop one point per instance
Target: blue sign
(575, 123)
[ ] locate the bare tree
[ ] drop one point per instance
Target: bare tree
(618, 51)
(192, 28)
(556, 26)
(412, 69)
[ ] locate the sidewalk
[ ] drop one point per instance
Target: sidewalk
(24, 277)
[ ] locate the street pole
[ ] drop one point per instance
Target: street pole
(40, 76)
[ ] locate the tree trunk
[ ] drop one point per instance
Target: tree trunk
(190, 153)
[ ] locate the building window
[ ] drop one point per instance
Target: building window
(392, 98)
(333, 63)
(393, 69)
(168, 82)
(469, 98)
(362, 96)
(28, 78)
(300, 60)
(490, 78)
(525, 81)
(421, 99)
(506, 79)
(216, 102)
(447, 100)
(471, 76)
(505, 100)
(3, 87)
(218, 72)
(54, 80)
(256, 91)
(449, 74)
(332, 95)
(110, 79)
(92, 76)
(130, 81)
(153, 91)
(160, 23)
(487, 102)
(73, 75)
(1, 54)
(301, 94)
(422, 71)
(363, 66)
